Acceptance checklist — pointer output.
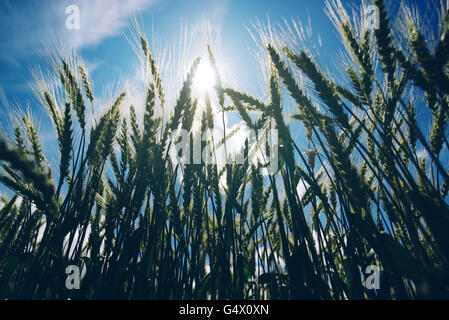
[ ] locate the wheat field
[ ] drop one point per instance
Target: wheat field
(141, 226)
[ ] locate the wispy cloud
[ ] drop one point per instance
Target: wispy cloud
(30, 25)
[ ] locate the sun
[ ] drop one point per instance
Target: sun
(204, 79)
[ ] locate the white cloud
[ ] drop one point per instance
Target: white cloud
(100, 19)
(35, 25)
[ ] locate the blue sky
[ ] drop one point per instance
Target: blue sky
(27, 27)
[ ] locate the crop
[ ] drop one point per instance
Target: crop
(144, 227)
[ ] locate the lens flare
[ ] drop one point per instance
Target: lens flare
(204, 79)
